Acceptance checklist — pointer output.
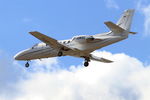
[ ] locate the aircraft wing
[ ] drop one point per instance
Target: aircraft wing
(100, 59)
(48, 40)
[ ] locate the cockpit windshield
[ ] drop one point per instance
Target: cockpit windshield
(78, 37)
(39, 45)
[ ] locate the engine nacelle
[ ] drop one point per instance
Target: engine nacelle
(89, 38)
(82, 39)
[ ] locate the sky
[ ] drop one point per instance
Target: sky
(65, 78)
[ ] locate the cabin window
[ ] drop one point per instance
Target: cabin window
(80, 38)
(64, 42)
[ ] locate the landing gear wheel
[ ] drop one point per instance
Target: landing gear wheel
(86, 64)
(60, 53)
(27, 65)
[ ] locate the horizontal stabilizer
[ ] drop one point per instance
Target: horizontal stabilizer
(113, 27)
(100, 59)
(133, 32)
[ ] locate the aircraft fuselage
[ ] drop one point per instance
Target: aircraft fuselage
(45, 51)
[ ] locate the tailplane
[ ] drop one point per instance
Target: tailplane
(113, 27)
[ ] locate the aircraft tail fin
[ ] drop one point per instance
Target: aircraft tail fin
(123, 25)
(126, 19)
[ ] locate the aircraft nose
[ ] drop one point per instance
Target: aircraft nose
(20, 55)
(16, 57)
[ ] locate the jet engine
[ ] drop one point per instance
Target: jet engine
(89, 38)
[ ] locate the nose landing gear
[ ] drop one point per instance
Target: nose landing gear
(27, 65)
(60, 53)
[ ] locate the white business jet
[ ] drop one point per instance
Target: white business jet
(79, 46)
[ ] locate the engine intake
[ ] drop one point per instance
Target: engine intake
(89, 38)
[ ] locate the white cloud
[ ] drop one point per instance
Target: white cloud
(111, 4)
(125, 79)
(10, 73)
(145, 9)
(45, 65)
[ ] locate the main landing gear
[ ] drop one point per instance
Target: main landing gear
(60, 53)
(86, 63)
(27, 64)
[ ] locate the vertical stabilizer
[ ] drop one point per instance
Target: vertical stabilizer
(126, 19)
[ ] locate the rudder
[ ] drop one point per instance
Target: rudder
(126, 19)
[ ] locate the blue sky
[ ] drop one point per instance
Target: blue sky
(63, 19)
